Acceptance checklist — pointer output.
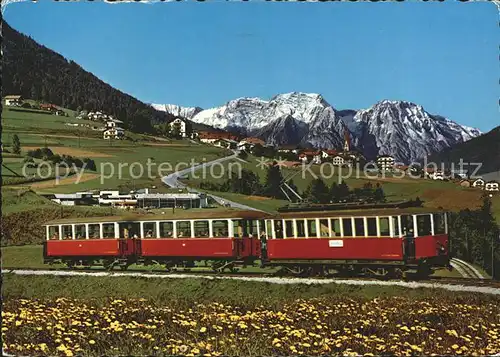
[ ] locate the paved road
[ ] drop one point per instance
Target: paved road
(172, 180)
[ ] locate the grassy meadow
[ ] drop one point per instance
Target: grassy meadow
(137, 316)
(435, 194)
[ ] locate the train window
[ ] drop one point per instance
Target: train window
(371, 224)
(80, 231)
(149, 229)
(439, 223)
(220, 228)
(240, 228)
(53, 232)
(269, 229)
(262, 227)
(252, 225)
(166, 229)
(359, 225)
(108, 230)
(67, 232)
(407, 225)
(301, 228)
(424, 225)
(289, 231)
(278, 228)
(395, 221)
(201, 229)
(335, 223)
(183, 229)
(324, 229)
(347, 226)
(94, 231)
(311, 228)
(385, 228)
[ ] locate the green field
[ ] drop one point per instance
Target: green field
(435, 194)
(113, 158)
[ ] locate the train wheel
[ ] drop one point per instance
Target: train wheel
(70, 264)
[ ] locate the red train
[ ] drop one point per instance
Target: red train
(382, 242)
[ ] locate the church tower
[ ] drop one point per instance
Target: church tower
(347, 140)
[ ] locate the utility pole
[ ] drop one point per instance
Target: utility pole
(493, 254)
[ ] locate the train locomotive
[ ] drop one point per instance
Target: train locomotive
(381, 242)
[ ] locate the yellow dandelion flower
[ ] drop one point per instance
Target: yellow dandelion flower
(92, 342)
(203, 329)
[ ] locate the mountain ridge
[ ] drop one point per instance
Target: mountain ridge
(383, 128)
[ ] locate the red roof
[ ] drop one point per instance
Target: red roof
(48, 106)
(216, 135)
(310, 153)
(254, 141)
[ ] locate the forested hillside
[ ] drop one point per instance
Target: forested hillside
(484, 149)
(36, 72)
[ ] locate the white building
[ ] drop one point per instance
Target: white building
(114, 198)
(112, 131)
(385, 162)
(13, 100)
(180, 126)
(338, 160)
(166, 200)
(226, 143)
(479, 183)
(492, 186)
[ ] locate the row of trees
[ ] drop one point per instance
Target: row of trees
(248, 183)
(46, 154)
(474, 237)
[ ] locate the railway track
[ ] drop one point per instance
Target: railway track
(466, 269)
(256, 276)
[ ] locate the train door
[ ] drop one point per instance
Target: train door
(408, 237)
(129, 234)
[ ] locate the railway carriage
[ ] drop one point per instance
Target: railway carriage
(180, 239)
(382, 241)
(378, 241)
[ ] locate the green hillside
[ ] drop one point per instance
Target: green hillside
(484, 149)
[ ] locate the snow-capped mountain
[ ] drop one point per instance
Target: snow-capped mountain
(402, 129)
(285, 130)
(177, 110)
(406, 131)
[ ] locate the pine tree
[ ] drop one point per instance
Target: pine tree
(16, 145)
(318, 192)
(272, 186)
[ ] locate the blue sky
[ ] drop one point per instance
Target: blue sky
(443, 56)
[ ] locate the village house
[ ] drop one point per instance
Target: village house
(98, 115)
(435, 174)
(492, 186)
(326, 154)
(479, 183)
(48, 107)
(182, 127)
(385, 162)
(248, 144)
(338, 160)
(310, 155)
(226, 143)
(112, 130)
(13, 100)
(401, 168)
(211, 137)
(289, 148)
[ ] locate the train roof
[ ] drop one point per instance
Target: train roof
(169, 215)
(359, 212)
